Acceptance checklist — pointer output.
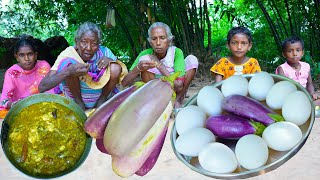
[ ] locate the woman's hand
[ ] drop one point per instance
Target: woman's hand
(161, 67)
(156, 61)
(154, 58)
(145, 65)
(78, 69)
(103, 62)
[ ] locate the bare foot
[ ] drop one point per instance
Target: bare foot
(179, 100)
(177, 105)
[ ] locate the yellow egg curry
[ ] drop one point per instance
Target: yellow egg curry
(46, 138)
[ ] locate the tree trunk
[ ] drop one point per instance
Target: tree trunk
(209, 48)
(273, 28)
(289, 17)
(201, 16)
(280, 17)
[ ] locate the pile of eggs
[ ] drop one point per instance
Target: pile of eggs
(251, 151)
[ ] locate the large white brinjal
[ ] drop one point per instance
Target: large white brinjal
(131, 121)
(152, 159)
(127, 165)
(98, 120)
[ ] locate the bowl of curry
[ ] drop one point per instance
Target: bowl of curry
(43, 136)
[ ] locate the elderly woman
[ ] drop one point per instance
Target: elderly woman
(86, 72)
(162, 60)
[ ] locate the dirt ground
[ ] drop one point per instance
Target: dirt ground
(196, 85)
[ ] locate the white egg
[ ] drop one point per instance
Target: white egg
(218, 158)
(235, 85)
(190, 117)
(282, 136)
(296, 108)
(278, 93)
(209, 99)
(251, 151)
(259, 85)
(192, 141)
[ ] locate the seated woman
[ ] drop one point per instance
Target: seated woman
(22, 79)
(162, 60)
(86, 72)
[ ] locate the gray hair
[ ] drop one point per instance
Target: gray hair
(161, 25)
(86, 27)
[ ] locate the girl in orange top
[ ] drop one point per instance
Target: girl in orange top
(239, 43)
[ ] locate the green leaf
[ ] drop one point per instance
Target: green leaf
(171, 78)
(259, 127)
(276, 117)
(139, 84)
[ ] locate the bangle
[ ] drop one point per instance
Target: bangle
(12, 104)
(138, 68)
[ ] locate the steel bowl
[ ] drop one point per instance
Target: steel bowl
(69, 103)
(276, 158)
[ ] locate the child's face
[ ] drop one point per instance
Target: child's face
(26, 57)
(239, 45)
(293, 52)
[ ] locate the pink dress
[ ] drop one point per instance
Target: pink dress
(301, 77)
(19, 83)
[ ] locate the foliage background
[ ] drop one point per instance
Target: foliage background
(200, 26)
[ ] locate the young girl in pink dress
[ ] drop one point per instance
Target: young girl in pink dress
(22, 79)
(293, 50)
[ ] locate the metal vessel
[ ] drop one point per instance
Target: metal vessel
(276, 158)
(69, 103)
